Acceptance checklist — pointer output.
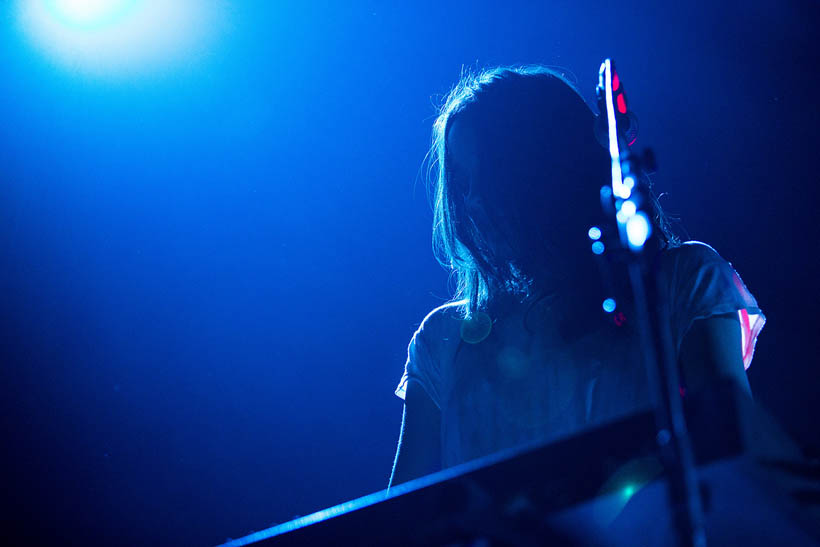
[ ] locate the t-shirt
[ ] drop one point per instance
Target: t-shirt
(548, 367)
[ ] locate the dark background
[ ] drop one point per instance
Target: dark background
(209, 276)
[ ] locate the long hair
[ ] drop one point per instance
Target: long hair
(508, 220)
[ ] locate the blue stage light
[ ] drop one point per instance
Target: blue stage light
(119, 37)
(608, 305)
(90, 14)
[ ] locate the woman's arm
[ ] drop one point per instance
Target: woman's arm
(419, 450)
(711, 351)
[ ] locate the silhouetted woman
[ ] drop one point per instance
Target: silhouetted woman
(523, 352)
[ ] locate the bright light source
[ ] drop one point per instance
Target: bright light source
(119, 37)
(608, 305)
(598, 248)
(90, 13)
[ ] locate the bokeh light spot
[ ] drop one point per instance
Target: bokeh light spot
(594, 233)
(476, 328)
(638, 230)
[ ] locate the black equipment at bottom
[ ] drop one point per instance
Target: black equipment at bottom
(604, 486)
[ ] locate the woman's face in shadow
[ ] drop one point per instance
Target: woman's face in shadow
(530, 188)
(462, 144)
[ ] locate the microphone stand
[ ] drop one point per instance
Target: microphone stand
(626, 200)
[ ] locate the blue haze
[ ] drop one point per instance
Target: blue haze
(209, 277)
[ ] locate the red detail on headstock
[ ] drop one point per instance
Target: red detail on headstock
(616, 83)
(621, 103)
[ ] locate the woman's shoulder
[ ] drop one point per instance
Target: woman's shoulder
(693, 249)
(689, 255)
(699, 275)
(438, 334)
(444, 318)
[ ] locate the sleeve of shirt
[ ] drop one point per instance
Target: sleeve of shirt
(704, 285)
(430, 346)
